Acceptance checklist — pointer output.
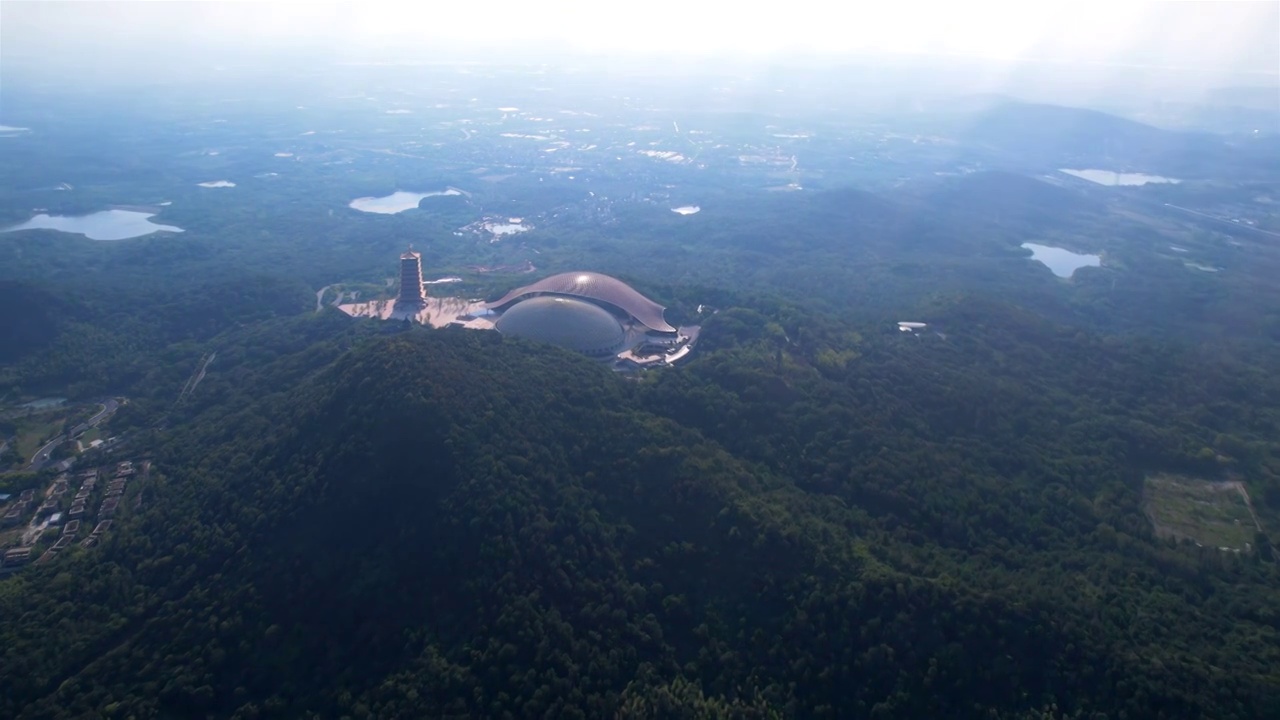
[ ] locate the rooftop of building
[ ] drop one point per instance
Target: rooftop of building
(598, 287)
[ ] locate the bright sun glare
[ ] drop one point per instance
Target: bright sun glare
(1199, 35)
(1087, 30)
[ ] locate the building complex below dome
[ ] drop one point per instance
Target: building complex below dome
(587, 312)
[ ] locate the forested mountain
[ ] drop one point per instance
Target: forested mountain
(949, 432)
(806, 523)
(1030, 134)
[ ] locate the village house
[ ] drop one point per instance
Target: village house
(17, 556)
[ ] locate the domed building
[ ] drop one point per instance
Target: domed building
(607, 292)
(565, 321)
(588, 312)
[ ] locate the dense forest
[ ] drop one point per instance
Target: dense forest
(807, 521)
(819, 514)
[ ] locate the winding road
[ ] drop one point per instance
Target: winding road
(42, 456)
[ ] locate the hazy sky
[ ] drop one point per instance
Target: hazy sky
(1218, 36)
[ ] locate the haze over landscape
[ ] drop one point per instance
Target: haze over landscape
(568, 359)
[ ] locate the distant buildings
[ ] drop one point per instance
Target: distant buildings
(96, 535)
(13, 516)
(47, 520)
(17, 556)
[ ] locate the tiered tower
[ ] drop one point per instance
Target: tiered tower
(411, 279)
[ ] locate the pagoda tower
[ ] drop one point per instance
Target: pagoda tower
(411, 279)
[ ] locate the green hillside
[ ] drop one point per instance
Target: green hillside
(447, 524)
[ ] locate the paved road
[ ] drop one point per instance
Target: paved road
(1153, 207)
(1222, 220)
(109, 406)
(42, 455)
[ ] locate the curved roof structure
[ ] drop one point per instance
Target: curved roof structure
(598, 287)
(567, 322)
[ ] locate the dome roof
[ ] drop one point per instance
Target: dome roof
(567, 322)
(595, 286)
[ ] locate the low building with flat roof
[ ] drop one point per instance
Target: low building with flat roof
(14, 516)
(17, 556)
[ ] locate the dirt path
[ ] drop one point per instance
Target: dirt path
(1244, 493)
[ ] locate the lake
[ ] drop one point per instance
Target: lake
(104, 225)
(1111, 178)
(396, 202)
(1062, 262)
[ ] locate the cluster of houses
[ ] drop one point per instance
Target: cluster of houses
(49, 519)
(20, 506)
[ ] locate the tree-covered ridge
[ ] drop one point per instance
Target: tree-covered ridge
(817, 516)
(807, 521)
